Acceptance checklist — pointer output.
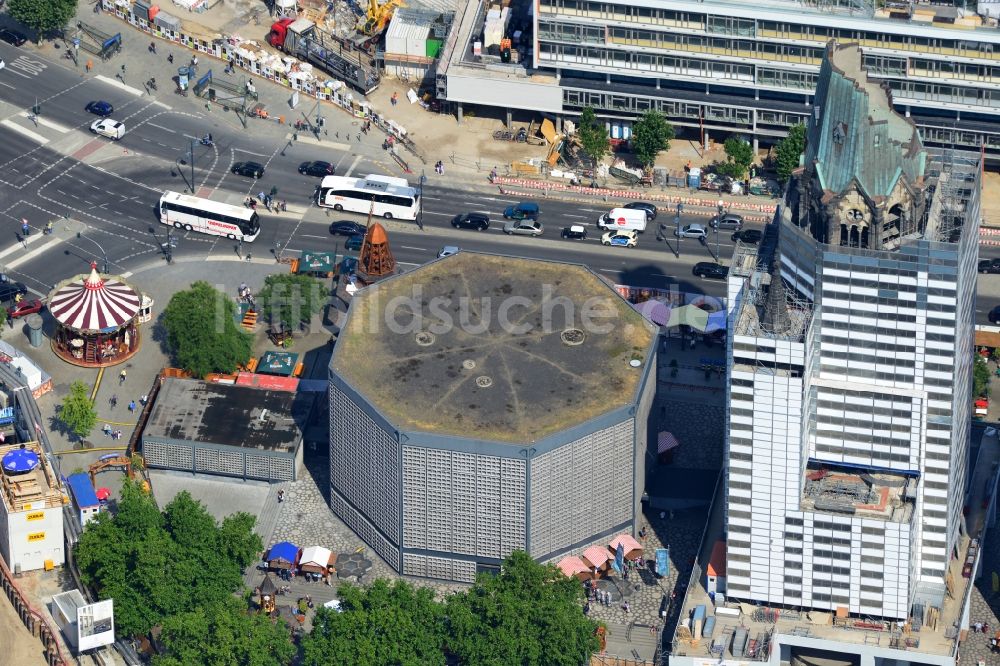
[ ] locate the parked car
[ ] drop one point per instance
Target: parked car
(316, 168)
(649, 208)
(710, 269)
(447, 251)
(249, 169)
(477, 221)
(100, 108)
(354, 243)
(623, 238)
(347, 228)
(9, 290)
(12, 37)
(994, 315)
(2, 63)
(989, 266)
(575, 232)
(727, 221)
(526, 210)
(748, 236)
(112, 129)
(523, 227)
(24, 308)
(691, 231)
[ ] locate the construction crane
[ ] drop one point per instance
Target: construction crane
(377, 17)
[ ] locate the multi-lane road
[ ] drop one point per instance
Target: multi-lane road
(52, 167)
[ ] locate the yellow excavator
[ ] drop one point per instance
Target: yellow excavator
(377, 17)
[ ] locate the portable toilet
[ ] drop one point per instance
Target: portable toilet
(715, 573)
(694, 178)
(84, 496)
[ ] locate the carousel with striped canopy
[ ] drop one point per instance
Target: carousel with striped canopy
(96, 319)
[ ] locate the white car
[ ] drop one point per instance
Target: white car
(2, 63)
(109, 128)
(447, 251)
(691, 231)
(621, 238)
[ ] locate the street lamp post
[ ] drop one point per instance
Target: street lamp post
(107, 268)
(420, 196)
(677, 223)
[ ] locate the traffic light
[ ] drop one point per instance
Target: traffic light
(36, 109)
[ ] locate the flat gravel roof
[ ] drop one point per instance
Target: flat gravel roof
(493, 347)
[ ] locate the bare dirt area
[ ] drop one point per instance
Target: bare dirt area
(19, 646)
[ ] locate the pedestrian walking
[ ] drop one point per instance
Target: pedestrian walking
(131, 407)
(152, 48)
(113, 401)
(281, 496)
(194, 61)
(144, 399)
(284, 206)
(90, 64)
(170, 58)
(394, 99)
(121, 377)
(25, 229)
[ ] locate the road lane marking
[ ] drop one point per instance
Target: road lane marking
(580, 217)
(410, 247)
(48, 123)
(357, 159)
(161, 127)
(6, 84)
(306, 138)
(33, 253)
(164, 106)
(121, 86)
(23, 131)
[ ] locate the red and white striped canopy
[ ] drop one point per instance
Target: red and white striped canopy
(94, 303)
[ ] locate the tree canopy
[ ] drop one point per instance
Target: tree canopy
(651, 135)
(202, 332)
(291, 298)
(980, 377)
(739, 157)
(158, 565)
(529, 614)
(391, 625)
(77, 410)
(593, 135)
(788, 152)
(225, 633)
(43, 16)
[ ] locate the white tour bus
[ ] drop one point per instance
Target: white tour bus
(383, 196)
(209, 217)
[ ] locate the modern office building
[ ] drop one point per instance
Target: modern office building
(727, 66)
(479, 405)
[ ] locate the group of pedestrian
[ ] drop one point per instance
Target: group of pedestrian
(366, 126)
(439, 168)
(112, 433)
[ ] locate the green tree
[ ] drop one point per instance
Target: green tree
(394, 625)
(593, 135)
(980, 377)
(529, 614)
(78, 411)
(157, 565)
(202, 332)
(789, 152)
(291, 299)
(43, 16)
(739, 157)
(651, 135)
(224, 633)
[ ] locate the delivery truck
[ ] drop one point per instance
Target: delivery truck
(628, 219)
(303, 39)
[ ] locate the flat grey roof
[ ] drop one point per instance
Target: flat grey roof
(437, 349)
(196, 411)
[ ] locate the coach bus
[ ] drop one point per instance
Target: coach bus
(209, 217)
(382, 196)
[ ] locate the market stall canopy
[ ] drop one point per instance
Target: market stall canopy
(632, 547)
(94, 303)
(282, 554)
(315, 558)
(573, 566)
(596, 556)
(655, 311)
(716, 322)
(689, 315)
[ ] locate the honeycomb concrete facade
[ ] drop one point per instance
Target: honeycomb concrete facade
(439, 504)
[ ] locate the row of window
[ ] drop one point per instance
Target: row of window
(749, 28)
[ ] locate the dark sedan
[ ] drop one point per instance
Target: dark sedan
(994, 315)
(24, 308)
(347, 228)
(9, 290)
(318, 168)
(989, 266)
(249, 169)
(477, 221)
(354, 243)
(649, 208)
(708, 269)
(12, 37)
(100, 108)
(748, 236)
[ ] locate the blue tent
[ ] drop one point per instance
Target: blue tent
(282, 555)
